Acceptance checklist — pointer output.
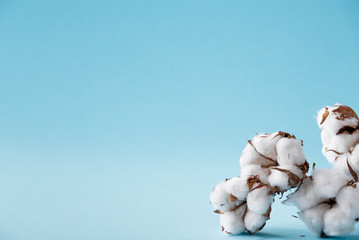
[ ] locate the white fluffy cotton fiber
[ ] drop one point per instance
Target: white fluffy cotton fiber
(328, 200)
(270, 164)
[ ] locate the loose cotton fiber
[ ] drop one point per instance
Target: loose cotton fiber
(328, 200)
(270, 164)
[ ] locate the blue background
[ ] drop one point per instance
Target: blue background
(118, 117)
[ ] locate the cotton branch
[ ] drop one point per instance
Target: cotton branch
(270, 164)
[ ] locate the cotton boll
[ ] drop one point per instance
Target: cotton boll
(221, 199)
(330, 155)
(253, 170)
(238, 187)
(345, 141)
(260, 150)
(338, 116)
(289, 151)
(313, 218)
(346, 164)
(305, 197)
(339, 144)
(327, 182)
(278, 179)
(328, 199)
(337, 222)
(347, 200)
(254, 222)
(232, 222)
(250, 156)
(294, 169)
(340, 162)
(339, 130)
(259, 200)
(265, 144)
(251, 191)
(285, 177)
